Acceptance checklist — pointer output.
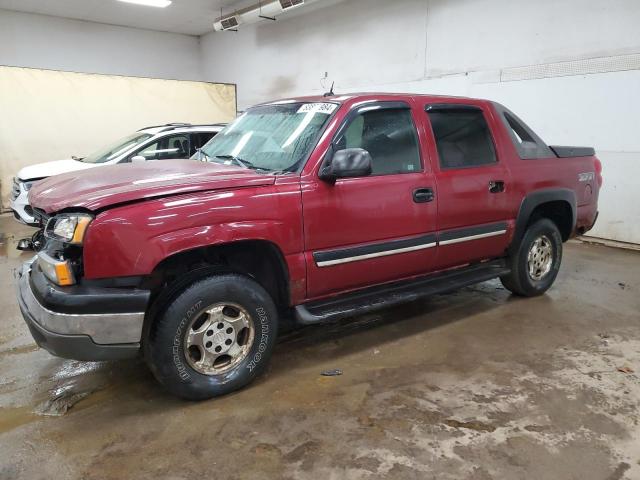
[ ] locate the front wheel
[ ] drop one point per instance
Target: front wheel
(215, 337)
(535, 264)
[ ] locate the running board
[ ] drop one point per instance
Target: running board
(387, 295)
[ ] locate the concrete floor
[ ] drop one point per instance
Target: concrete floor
(475, 385)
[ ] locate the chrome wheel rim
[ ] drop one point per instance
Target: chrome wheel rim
(219, 338)
(540, 258)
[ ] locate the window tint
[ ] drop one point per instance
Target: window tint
(198, 139)
(389, 136)
(166, 148)
(462, 137)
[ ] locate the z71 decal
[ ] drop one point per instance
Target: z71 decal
(586, 176)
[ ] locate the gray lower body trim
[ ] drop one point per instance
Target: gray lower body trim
(108, 328)
(392, 247)
(472, 237)
(375, 255)
(362, 252)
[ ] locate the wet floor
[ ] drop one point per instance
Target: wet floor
(475, 385)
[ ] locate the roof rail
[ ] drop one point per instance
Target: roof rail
(174, 124)
(171, 126)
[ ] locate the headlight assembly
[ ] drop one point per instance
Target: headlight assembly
(68, 227)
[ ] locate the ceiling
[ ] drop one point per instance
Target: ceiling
(192, 17)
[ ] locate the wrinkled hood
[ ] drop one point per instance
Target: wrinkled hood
(101, 187)
(47, 169)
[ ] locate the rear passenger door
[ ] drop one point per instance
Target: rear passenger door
(473, 185)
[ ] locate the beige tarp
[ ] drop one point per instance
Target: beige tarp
(49, 115)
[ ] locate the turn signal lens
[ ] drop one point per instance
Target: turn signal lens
(64, 274)
(58, 271)
(81, 227)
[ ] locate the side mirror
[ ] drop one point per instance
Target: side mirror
(138, 159)
(347, 163)
(25, 245)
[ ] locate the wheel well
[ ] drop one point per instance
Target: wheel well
(258, 259)
(559, 212)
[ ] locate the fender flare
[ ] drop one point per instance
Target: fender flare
(535, 199)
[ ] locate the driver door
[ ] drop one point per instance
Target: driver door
(378, 228)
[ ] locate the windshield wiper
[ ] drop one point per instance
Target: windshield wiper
(73, 157)
(202, 153)
(239, 161)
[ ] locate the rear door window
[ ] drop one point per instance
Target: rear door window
(462, 137)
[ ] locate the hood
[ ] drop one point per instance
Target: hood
(101, 187)
(47, 169)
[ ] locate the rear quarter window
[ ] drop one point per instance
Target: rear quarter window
(528, 145)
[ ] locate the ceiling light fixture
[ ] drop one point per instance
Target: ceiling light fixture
(149, 3)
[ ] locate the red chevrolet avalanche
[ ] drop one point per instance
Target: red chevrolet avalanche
(310, 208)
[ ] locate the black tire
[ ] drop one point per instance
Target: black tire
(520, 281)
(165, 343)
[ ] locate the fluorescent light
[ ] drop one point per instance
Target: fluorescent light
(149, 3)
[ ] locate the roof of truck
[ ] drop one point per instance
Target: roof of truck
(342, 98)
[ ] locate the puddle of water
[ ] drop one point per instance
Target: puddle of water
(19, 350)
(60, 402)
(3, 245)
(9, 240)
(11, 418)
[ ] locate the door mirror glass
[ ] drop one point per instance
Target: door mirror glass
(138, 159)
(347, 163)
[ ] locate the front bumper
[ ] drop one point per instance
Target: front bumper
(62, 328)
(19, 204)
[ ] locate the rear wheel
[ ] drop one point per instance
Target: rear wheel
(535, 264)
(214, 337)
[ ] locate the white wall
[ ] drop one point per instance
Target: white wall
(570, 68)
(39, 41)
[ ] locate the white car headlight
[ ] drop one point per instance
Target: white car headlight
(68, 227)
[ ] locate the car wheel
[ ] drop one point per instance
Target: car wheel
(214, 337)
(536, 263)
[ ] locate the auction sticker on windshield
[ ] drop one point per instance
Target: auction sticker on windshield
(326, 108)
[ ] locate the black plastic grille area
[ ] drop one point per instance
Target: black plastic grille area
(41, 217)
(15, 189)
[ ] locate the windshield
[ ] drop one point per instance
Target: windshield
(116, 149)
(271, 138)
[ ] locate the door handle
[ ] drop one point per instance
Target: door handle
(496, 186)
(423, 195)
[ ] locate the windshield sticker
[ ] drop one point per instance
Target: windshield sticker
(326, 108)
